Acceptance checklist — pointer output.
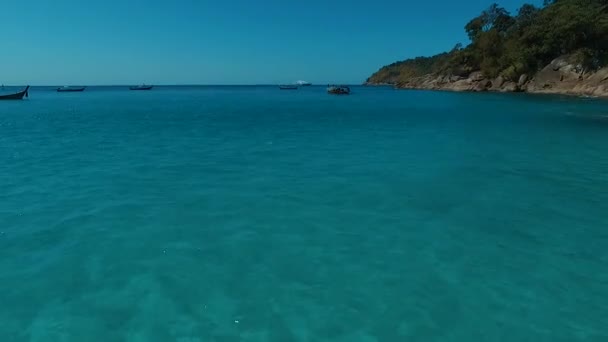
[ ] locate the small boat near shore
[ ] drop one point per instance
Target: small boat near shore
(288, 87)
(141, 87)
(68, 89)
(338, 90)
(16, 96)
(303, 84)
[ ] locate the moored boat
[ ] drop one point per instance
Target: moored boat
(288, 87)
(141, 87)
(338, 90)
(16, 96)
(303, 83)
(67, 89)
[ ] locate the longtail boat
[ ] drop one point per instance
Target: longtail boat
(67, 89)
(16, 96)
(141, 87)
(338, 90)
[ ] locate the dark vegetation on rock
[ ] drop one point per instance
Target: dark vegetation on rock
(555, 48)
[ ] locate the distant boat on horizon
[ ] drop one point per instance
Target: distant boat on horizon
(288, 87)
(67, 89)
(16, 96)
(141, 87)
(303, 83)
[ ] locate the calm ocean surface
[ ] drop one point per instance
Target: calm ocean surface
(231, 214)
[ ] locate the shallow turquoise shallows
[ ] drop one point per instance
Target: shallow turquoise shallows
(231, 214)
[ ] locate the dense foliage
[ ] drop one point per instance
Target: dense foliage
(512, 45)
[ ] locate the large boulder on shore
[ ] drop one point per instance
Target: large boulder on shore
(498, 82)
(476, 76)
(522, 80)
(455, 78)
(561, 75)
(483, 85)
(510, 87)
(461, 85)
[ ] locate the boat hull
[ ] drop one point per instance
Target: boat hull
(338, 90)
(70, 90)
(142, 88)
(16, 96)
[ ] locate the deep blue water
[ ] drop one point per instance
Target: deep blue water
(253, 214)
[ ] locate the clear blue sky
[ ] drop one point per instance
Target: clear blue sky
(222, 42)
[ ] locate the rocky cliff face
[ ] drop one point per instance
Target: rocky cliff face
(559, 77)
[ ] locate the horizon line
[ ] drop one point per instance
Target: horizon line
(174, 85)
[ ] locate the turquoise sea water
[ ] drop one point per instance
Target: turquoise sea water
(253, 214)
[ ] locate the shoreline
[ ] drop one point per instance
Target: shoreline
(560, 77)
(496, 91)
